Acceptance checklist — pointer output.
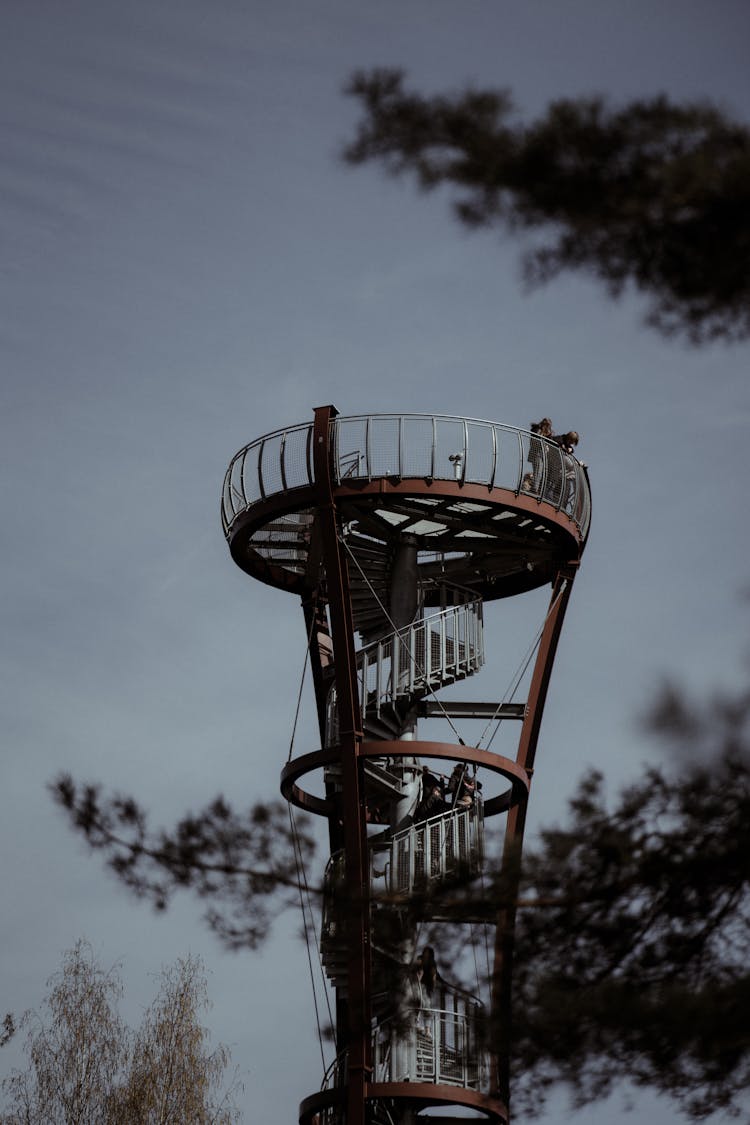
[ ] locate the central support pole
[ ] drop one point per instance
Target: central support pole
(357, 902)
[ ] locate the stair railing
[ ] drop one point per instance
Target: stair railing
(438, 1043)
(439, 649)
(445, 847)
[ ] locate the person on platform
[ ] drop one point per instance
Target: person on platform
(430, 975)
(532, 481)
(462, 787)
(432, 801)
(568, 443)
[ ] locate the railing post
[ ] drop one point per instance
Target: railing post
(242, 478)
(368, 449)
(260, 470)
(363, 687)
(379, 677)
(282, 466)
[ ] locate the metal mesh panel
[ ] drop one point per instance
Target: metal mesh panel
(510, 457)
(233, 498)
(449, 442)
(417, 451)
(461, 840)
(439, 1046)
(534, 478)
(442, 847)
(419, 649)
(555, 478)
(250, 481)
(297, 470)
(384, 447)
(479, 453)
(405, 662)
(351, 447)
(270, 465)
(434, 838)
(401, 866)
(582, 503)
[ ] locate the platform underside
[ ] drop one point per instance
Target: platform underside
(492, 541)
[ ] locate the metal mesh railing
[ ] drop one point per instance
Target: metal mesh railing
(423, 446)
(442, 647)
(445, 847)
(278, 462)
(435, 1041)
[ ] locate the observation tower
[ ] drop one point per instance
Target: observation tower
(394, 530)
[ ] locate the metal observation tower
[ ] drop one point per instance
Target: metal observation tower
(394, 530)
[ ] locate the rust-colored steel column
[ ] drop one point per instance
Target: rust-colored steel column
(516, 823)
(358, 1045)
(316, 626)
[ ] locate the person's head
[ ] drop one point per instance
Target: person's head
(571, 438)
(427, 956)
(543, 428)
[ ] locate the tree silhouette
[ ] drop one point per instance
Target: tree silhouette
(85, 1067)
(653, 194)
(636, 964)
(245, 865)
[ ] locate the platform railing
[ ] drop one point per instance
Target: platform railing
(424, 855)
(443, 848)
(438, 1042)
(440, 648)
(402, 446)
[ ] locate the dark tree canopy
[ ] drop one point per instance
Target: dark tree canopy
(653, 194)
(244, 865)
(633, 926)
(637, 963)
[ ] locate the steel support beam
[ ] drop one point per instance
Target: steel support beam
(462, 709)
(358, 1036)
(511, 861)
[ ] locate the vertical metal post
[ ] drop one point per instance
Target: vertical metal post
(358, 1040)
(511, 861)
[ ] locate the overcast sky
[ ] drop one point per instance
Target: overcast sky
(187, 265)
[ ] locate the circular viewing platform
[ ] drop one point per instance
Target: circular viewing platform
(488, 506)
